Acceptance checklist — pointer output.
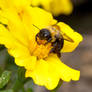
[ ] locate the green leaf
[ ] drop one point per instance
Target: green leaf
(21, 74)
(4, 79)
(30, 90)
(2, 47)
(0, 71)
(10, 90)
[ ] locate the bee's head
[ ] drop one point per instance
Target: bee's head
(44, 34)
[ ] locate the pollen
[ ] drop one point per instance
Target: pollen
(41, 51)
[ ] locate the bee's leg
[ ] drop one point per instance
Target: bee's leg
(36, 39)
(49, 40)
(54, 44)
(59, 54)
(56, 48)
(52, 50)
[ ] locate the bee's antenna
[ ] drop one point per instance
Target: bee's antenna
(36, 26)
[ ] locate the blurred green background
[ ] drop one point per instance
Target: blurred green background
(81, 58)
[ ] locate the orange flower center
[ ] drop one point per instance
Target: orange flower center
(40, 50)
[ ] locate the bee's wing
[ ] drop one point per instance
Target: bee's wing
(67, 38)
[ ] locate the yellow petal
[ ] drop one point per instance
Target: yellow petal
(4, 4)
(6, 38)
(41, 18)
(22, 56)
(27, 62)
(24, 21)
(66, 8)
(54, 6)
(76, 37)
(15, 26)
(3, 20)
(48, 73)
(20, 53)
(39, 74)
(18, 4)
(65, 73)
(44, 3)
(43, 75)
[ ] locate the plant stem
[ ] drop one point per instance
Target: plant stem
(59, 85)
(17, 86)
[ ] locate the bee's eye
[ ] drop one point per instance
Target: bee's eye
(44, 34)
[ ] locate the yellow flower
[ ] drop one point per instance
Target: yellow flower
(17, 33)
(56, 7)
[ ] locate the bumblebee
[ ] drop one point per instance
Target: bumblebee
(52, 35)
